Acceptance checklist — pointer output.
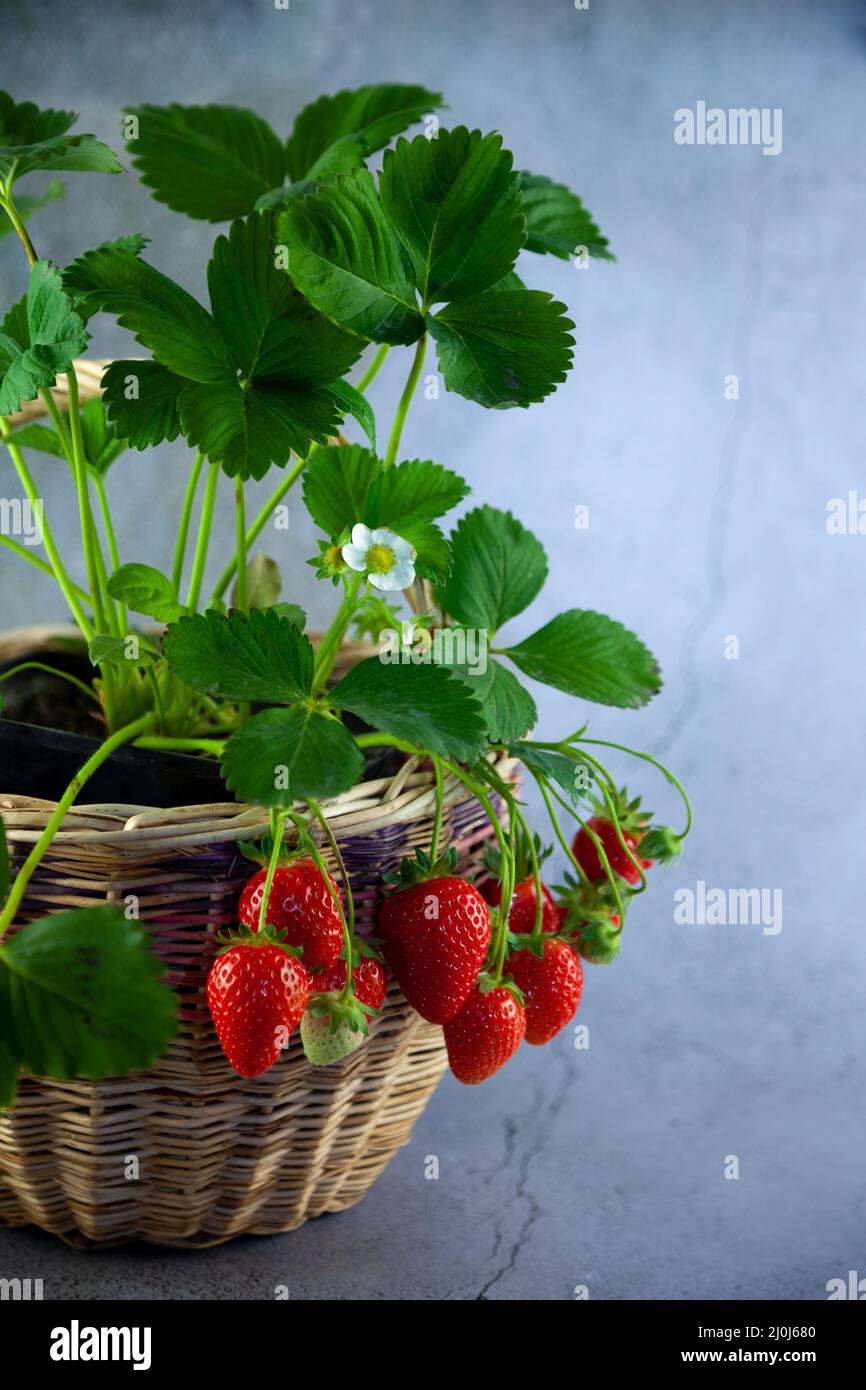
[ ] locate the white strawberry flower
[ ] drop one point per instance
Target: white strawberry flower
(387, 558)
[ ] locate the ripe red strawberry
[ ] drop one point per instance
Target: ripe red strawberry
(435, 933)
(521, 916)
(484, 1034)
(301, 905)
(587, 857)
(369, 980)
(551, 985)
(256, 995)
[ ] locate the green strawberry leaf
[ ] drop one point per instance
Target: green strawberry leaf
(272, 329)
(130, 650)
(141, 399)
(81, 995)
(592, 657)
(248, 431)
(163, 317)
(145, 590)
(509, 709)
(415, 488)
(336, 482)
(292, 611)
(285, 755)
(33, 139)
(573, 778)
(54, 335)
(26, 207)
(263, 584)
(41, 438)
(497, 569)
(504, 347)
(336, 133)
(210, 162)
(245, 656)
(351, 402)
(557, 221)
(435, 191)
(101, 444)
(346, 257)
(424, 704)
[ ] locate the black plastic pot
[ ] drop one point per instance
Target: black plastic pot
(41, 762)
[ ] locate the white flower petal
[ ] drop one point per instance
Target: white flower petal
(362, 536)
(383, 535)
(385, 581)
(403, 574)
(403, 549)
(355, 557)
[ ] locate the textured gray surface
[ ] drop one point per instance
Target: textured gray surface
(602, 1167)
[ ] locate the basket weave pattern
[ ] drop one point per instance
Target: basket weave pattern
(217, 1155)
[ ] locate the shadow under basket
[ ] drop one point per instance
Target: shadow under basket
(189, 1154)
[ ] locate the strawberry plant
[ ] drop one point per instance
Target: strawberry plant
(344, 237)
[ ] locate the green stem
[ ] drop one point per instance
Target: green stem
(312, 847)
(58, 569)
(261, 522)
(24, 554)
(335, 850)
(15, 218)
(241, 545)
(506, 852)
(614, 818)
(333, 638)
(184, 745)
(278, 827)
(437, 819)
(88, 533)
(599, 847)
(58, 815)
(185, 518)
(52, 671)
(405, 399)
(536, 876)
(666, 772)
(373, 370)
(205, 522)
(111, 541)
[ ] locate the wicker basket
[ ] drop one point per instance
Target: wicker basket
(189, 1154)
(217, 1156)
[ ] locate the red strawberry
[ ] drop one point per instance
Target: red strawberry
(369, 980)
(521, 915)
(300, 904)
(436, 934)
(484, 1034)
(586, 853)
(551, 985)
(256, 995)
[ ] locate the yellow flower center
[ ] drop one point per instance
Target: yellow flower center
(334, 558)
(380, 559)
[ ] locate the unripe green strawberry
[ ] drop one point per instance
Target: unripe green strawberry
(599, 942)
(321, 1046)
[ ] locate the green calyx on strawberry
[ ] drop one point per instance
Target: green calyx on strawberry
(591, 920)
(661, 844)
(421, 869)
(243, 935)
